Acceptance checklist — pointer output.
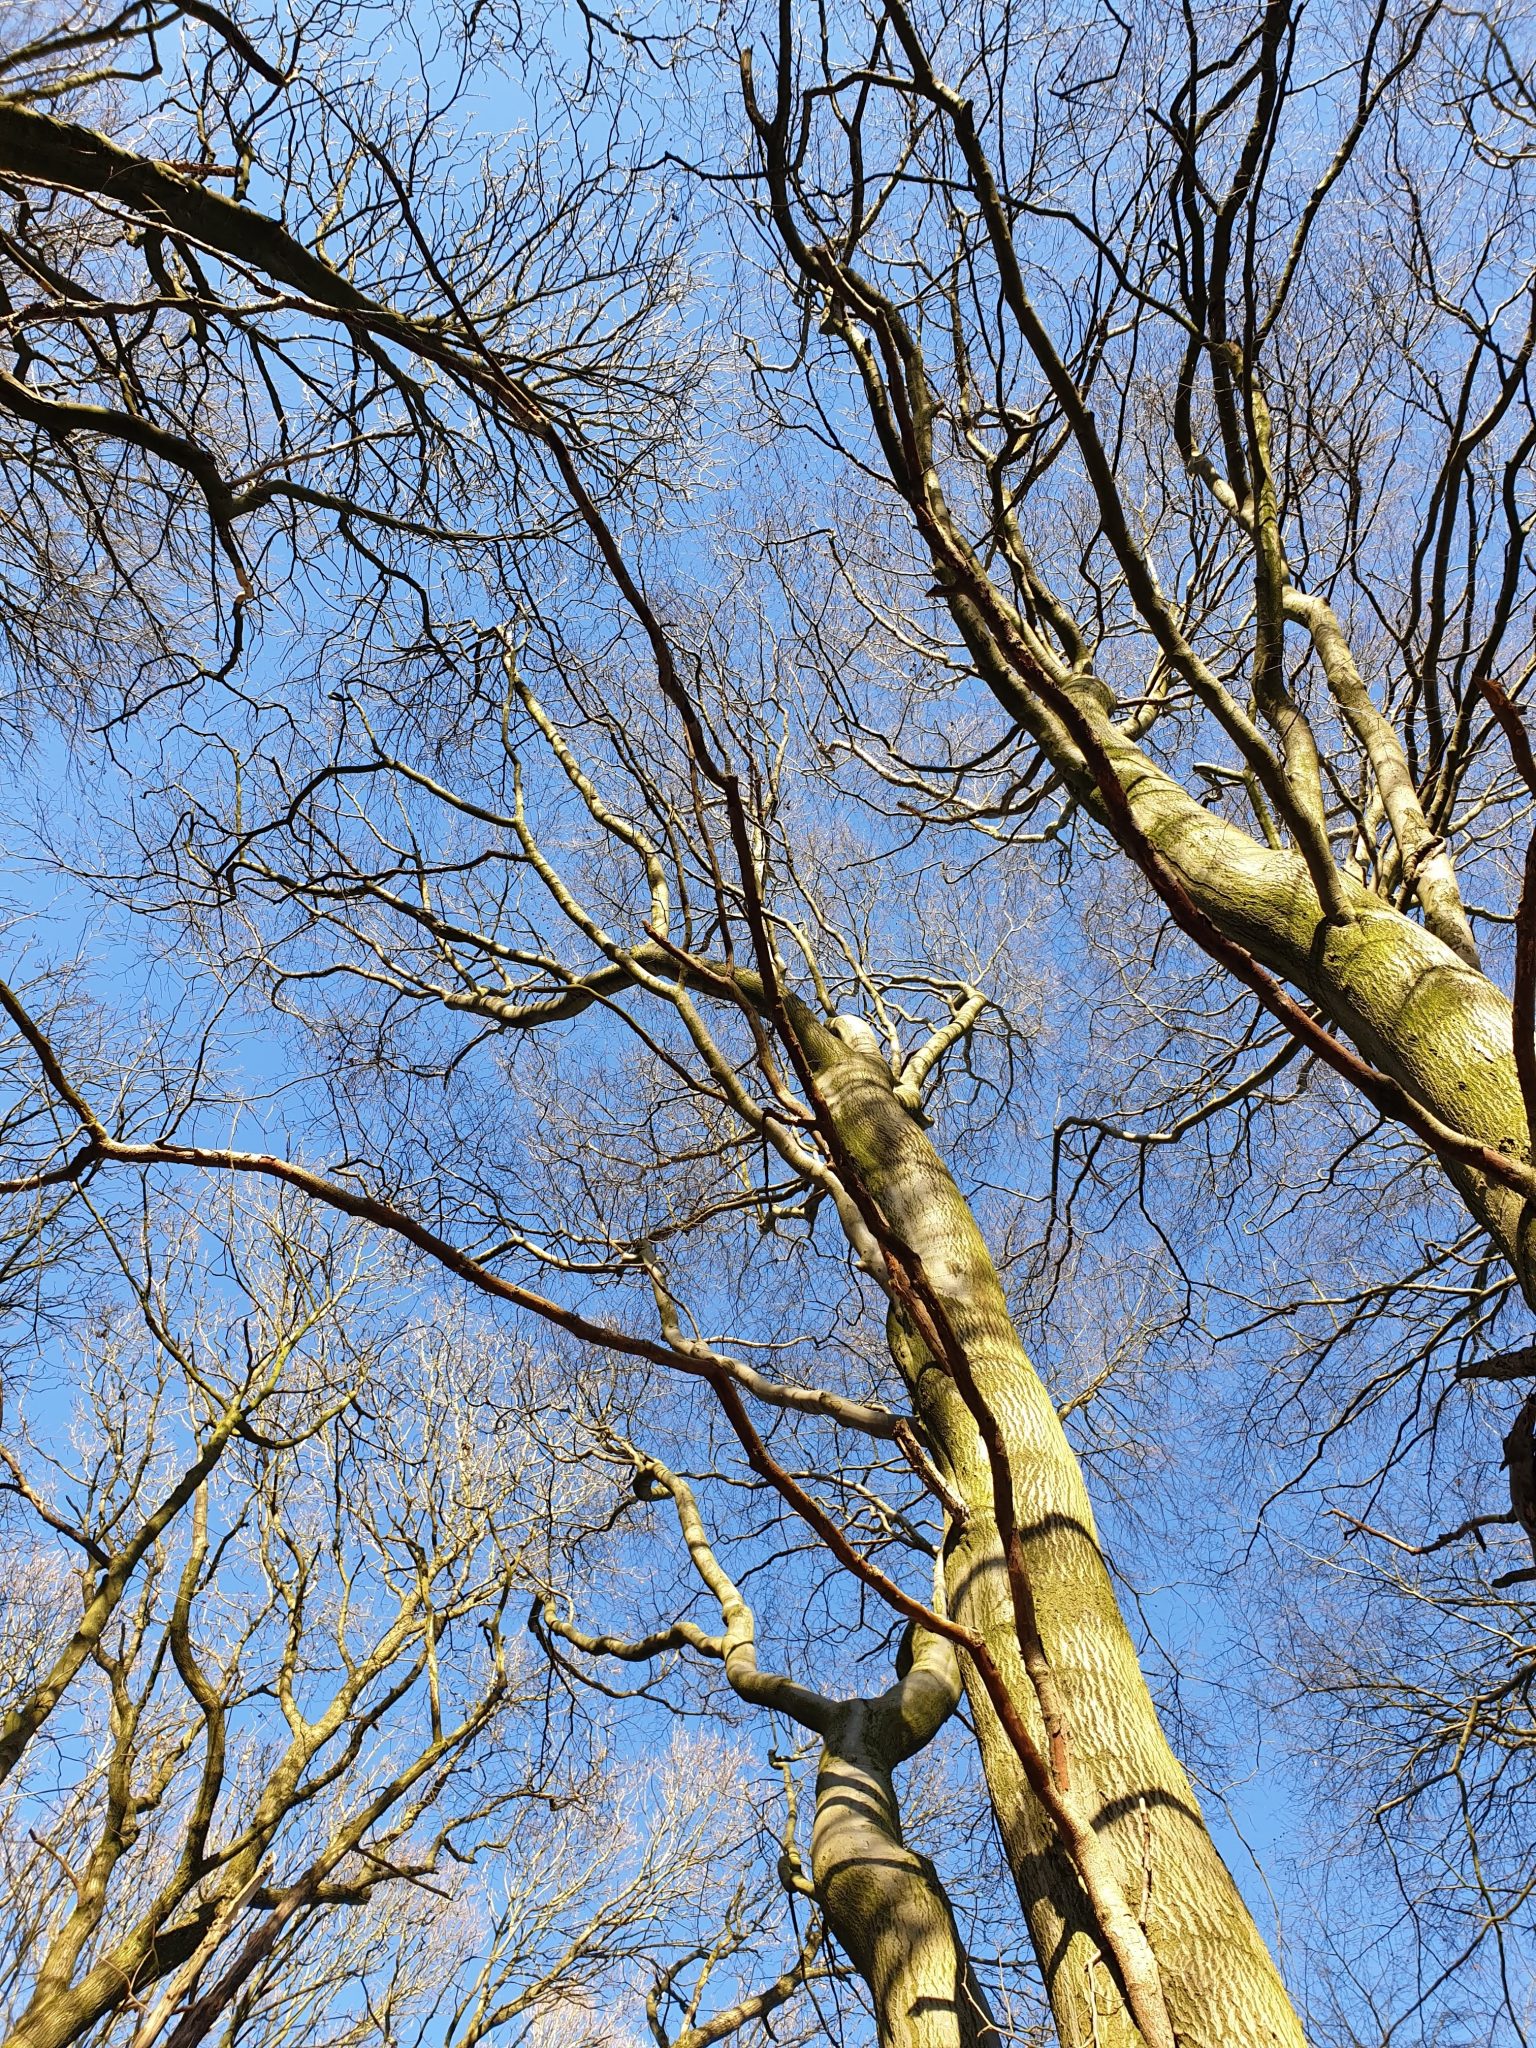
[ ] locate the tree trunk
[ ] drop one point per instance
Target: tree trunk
(1220, 1984)
(1439, 1027)
(883, 1901)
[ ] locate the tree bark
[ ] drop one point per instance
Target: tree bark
(1408, 1002)
(1221, 1987)
(1438, 1026)
(884, 1902)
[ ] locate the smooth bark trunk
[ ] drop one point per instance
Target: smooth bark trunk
(1439, 1027)
(884, 1902)
(1219, 1981)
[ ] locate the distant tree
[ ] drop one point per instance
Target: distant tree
(272, 1762)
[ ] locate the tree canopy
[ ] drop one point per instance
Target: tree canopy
(771, 1024)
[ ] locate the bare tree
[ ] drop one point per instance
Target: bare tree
(282, 1732)
(1094, 1805)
